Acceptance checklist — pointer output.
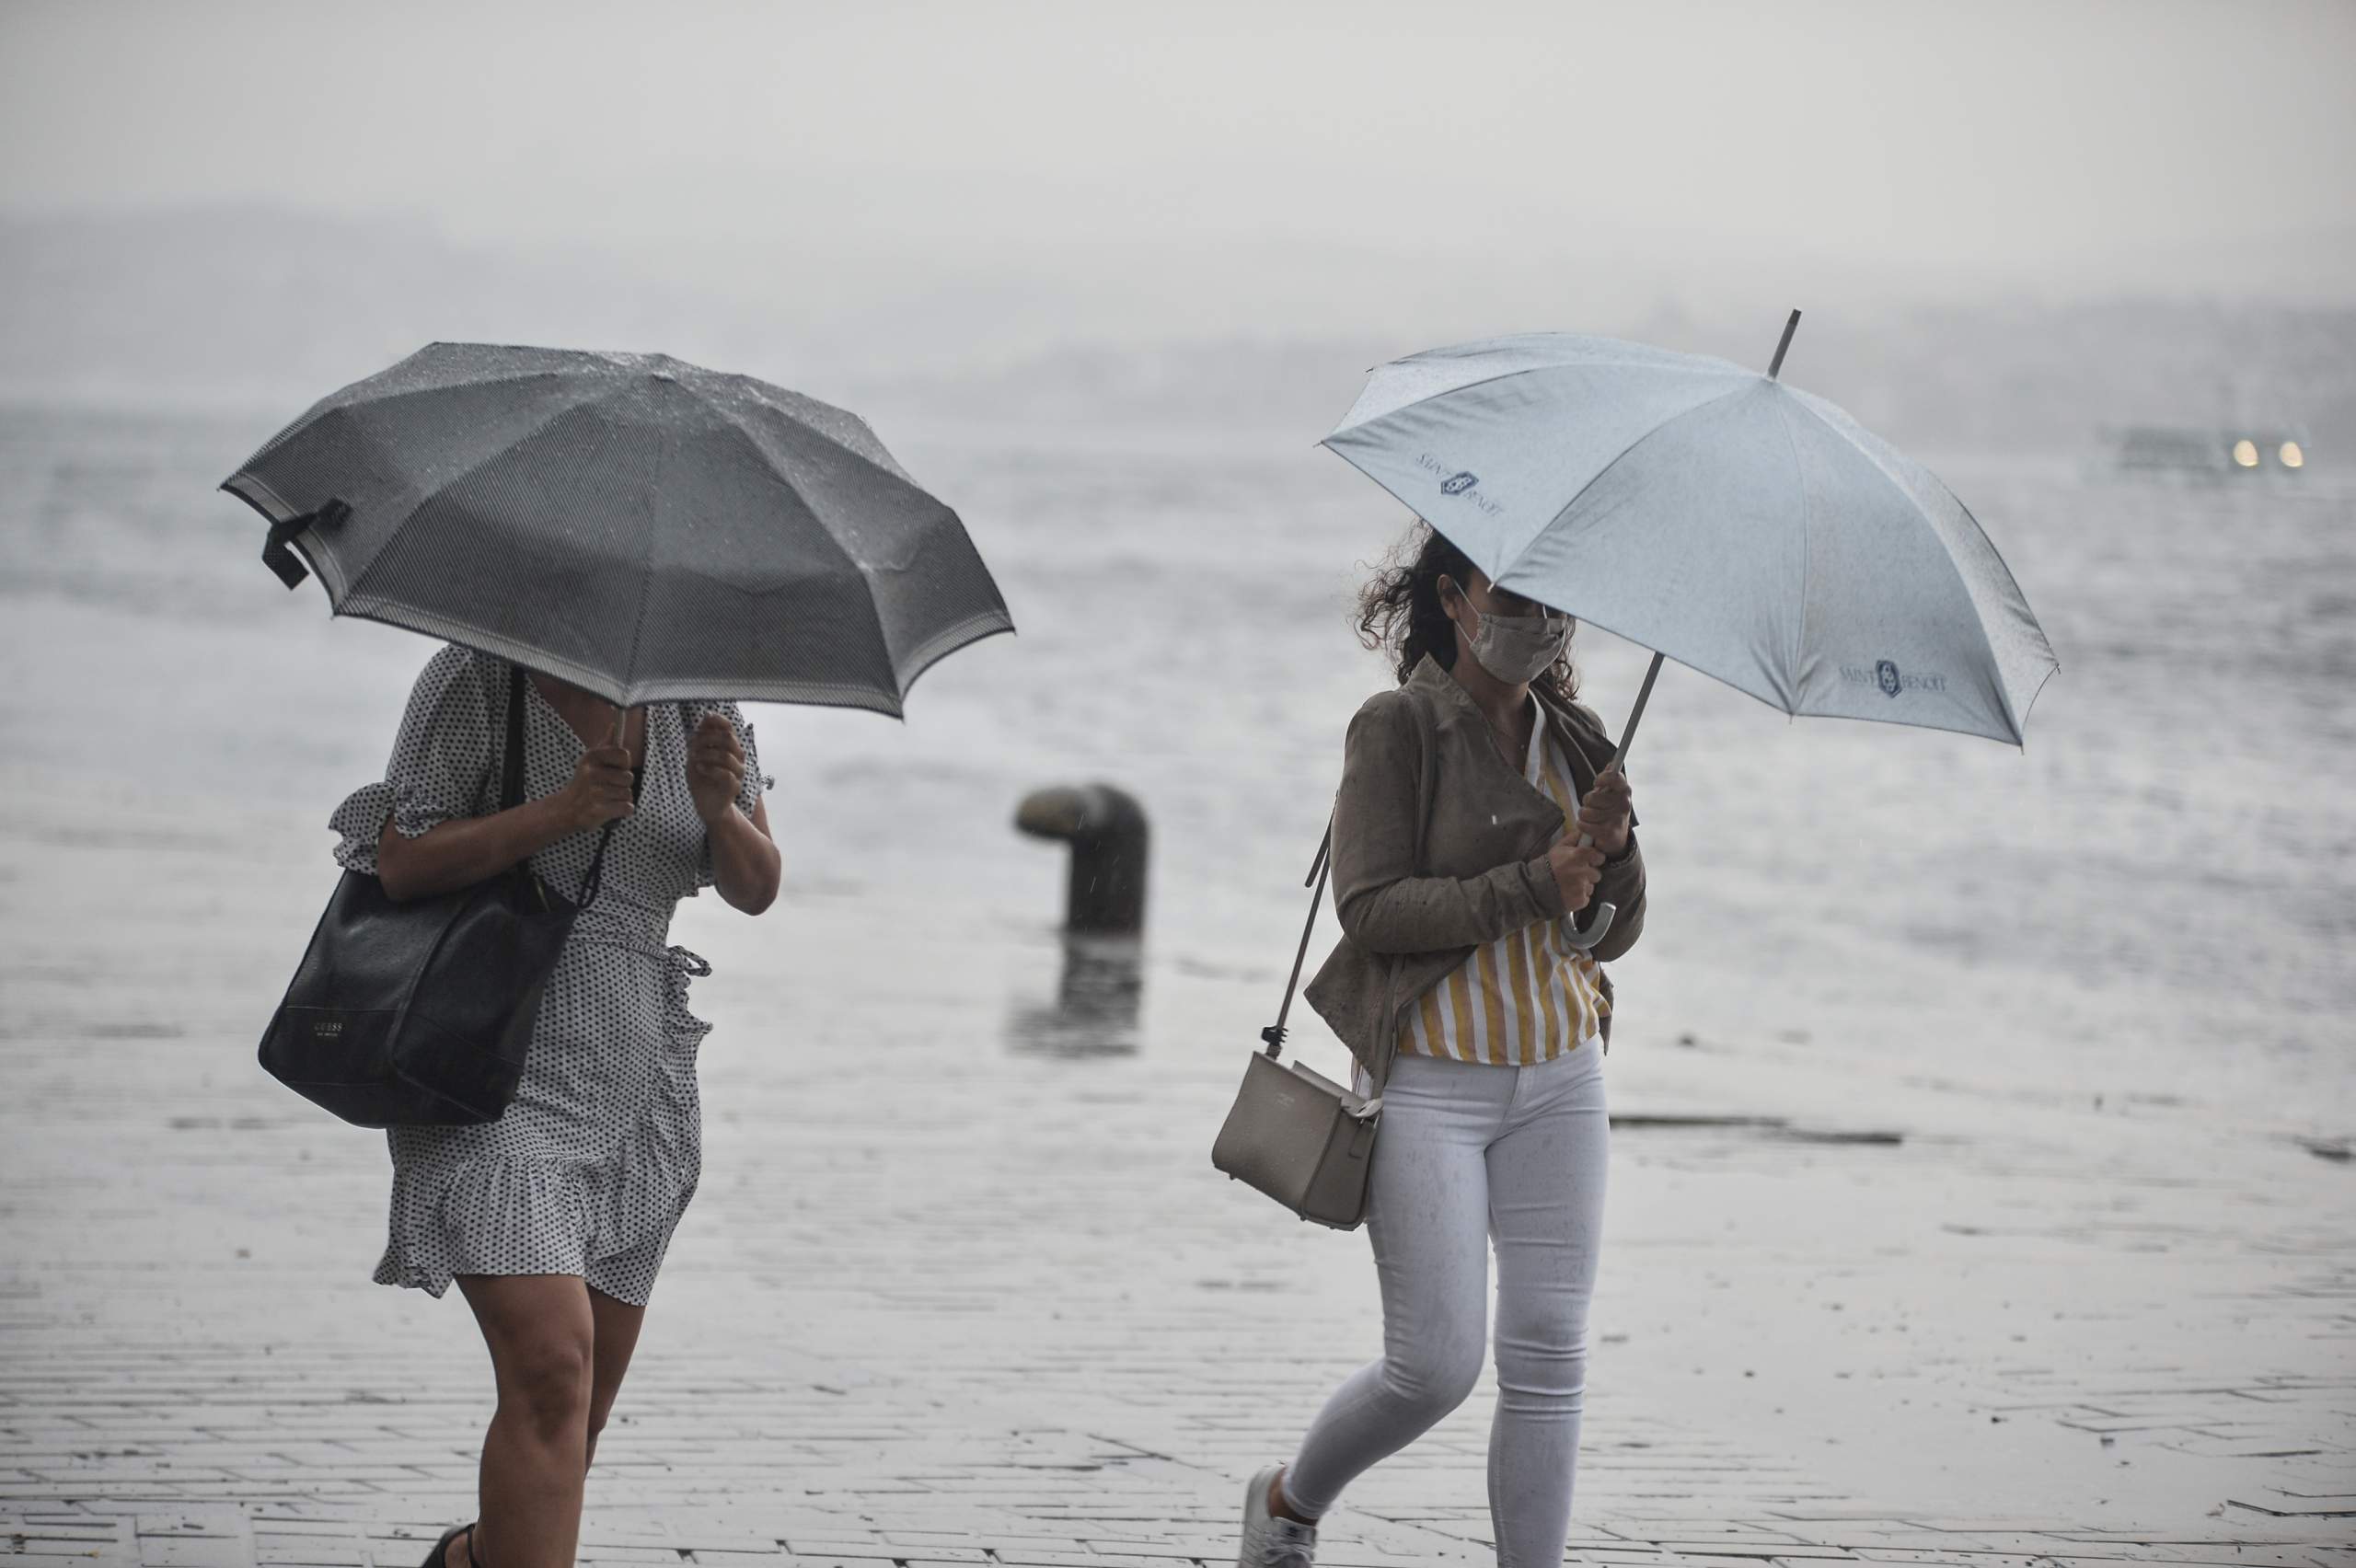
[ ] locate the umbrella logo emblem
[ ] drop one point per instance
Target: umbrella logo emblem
(1458, 483)
(1886, 675)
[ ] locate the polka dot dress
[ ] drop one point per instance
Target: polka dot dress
(594, 1163)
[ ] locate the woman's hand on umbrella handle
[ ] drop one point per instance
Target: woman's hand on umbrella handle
(1605, 813)
(715, 767)
(599, 789)
(1576, 868)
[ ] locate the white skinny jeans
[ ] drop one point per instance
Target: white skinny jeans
(1468, 1152)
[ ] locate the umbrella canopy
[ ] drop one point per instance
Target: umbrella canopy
(1730, 521)
(644, 528)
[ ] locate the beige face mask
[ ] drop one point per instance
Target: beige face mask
(1516, 649)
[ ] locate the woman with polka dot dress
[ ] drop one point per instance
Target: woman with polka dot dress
(554, 1218)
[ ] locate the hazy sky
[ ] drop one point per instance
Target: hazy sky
(2063, 148)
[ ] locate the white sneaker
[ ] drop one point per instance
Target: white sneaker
(1269, 1541)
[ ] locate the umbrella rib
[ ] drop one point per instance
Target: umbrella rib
(329, 405)
(888, 464)
(864, 461)
(1809, 712)
(1807, 546)
(1980, 622)
(384, 399)
(538, 429)
(776, 471)
(2052, 669)
(750, 436)
(753, 434)
(942, 643)
(2053, 665)
(646, 551)
(1348, 424)
(1563, 510)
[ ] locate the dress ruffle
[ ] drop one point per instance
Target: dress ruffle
(551, 1213)
(362, 821)
(686, 1030)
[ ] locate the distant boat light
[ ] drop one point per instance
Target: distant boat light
(2291, 456)
(2246, 453)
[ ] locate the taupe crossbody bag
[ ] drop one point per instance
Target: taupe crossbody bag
(1296, 1135)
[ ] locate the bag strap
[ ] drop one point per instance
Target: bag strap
(1274, 1033)
(510, 781)
(593, 880)
(511, 787)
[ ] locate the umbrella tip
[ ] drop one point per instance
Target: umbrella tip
(1790, 327)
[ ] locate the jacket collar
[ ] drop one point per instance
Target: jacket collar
(1453, 704)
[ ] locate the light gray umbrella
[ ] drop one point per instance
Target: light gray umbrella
(644, 528)
(1713, 515)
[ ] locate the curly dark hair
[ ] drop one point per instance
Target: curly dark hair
(1399, 610)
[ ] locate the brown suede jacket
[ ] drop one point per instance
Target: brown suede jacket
(1408, 921)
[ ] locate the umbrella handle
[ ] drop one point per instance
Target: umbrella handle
(1585, 940)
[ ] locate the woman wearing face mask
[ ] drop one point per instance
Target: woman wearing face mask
(1455, 910)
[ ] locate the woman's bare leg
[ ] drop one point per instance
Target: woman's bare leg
(541, 1333)
(617, 1323)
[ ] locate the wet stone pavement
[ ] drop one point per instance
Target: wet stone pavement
(945, 1300)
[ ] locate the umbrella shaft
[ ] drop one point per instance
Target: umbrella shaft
(1644, 695)
(1635, 715)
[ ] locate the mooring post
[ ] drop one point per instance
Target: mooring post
(1106, 829)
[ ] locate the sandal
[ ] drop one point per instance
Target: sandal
(440, 1554)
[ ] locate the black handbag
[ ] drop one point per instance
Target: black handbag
(419, 1012)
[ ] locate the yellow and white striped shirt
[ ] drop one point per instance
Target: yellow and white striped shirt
(1529, 997)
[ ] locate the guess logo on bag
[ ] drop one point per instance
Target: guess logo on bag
(327, 1028)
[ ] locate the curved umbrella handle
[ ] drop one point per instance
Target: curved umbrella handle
(1583, 940)
(1586, 940)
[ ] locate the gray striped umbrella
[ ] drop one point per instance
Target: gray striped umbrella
(644, 528)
